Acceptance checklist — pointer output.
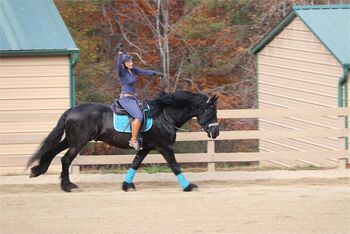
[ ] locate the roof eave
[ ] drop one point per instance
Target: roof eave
(324, 6)
(276, 30)
(39, 52)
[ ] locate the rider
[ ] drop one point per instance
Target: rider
(127, 72)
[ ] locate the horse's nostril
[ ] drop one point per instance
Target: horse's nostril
(216, 134)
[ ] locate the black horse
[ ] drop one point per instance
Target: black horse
(93, 121)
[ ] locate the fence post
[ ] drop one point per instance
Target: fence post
(211, 151)
(342, 144)
(75, 169)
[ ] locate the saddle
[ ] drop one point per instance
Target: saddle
(119, 110)
(122, 119)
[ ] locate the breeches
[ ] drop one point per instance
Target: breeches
(130, 105)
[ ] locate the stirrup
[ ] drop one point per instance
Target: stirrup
(135, 144)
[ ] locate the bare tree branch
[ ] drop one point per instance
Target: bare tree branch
(125, 36)
(105, 15)
(178, 73)
(192, 83)
(143, 61)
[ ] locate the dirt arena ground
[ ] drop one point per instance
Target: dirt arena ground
(241, 202)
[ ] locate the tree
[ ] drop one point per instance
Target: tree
(200, 45)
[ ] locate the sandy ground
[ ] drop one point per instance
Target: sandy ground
(237, 202)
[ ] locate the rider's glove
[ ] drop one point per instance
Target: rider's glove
(157, 73)
(119, 47)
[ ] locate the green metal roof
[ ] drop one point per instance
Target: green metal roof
(329, 23)
(29, 27)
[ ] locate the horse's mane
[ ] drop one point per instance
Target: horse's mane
(178, 99)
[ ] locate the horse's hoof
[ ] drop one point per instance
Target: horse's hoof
(70, 188)
(190, 188)
(126, 186)
(36, 171)
(73, 186)
(74, 190)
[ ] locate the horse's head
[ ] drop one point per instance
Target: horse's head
(187, 105)
(207, 117)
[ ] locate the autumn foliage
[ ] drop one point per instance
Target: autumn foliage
(200, 45)
(206, 41)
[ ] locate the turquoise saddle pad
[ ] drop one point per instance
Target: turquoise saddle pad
(121, 123)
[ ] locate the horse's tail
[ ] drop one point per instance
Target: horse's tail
(51, 140)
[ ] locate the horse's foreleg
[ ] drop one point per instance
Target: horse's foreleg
(169, 156)
(128, 181)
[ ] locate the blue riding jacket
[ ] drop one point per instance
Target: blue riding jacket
(128, 79)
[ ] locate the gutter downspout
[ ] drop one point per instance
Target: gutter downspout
(343, 96)
(341, 82)
(73, 58)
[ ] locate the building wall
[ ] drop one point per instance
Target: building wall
(348, 89)
(34, 93)
(348, 106)
(295, 70)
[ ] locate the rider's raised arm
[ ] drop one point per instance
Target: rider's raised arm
(120, 66)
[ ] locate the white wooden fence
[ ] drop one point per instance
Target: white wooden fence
(19, 140)
(211, 157)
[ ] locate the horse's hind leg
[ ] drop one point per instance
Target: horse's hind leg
(46, 160)
(66, 184)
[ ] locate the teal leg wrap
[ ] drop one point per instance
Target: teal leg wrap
(182, 180)
(130, 176)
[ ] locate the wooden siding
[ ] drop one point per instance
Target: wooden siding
(34, 92)
(348, 105)
(348, 88)
(295, 70)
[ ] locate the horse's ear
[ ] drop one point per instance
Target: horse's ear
(209, 100)
(215, 98)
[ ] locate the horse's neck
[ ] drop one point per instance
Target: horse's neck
(178, 117)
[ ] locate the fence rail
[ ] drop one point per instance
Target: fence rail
(17, 143)
(211, 157)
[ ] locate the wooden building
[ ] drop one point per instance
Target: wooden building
(37, 58)
(304, 62)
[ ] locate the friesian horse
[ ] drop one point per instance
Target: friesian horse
(94, 121)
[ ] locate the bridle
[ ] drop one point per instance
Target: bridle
(206, 128)
(211, 125)
(214, 124)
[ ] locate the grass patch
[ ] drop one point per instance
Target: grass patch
(193, 167)
(152, 169)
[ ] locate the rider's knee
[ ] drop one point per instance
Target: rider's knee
(139, 117)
